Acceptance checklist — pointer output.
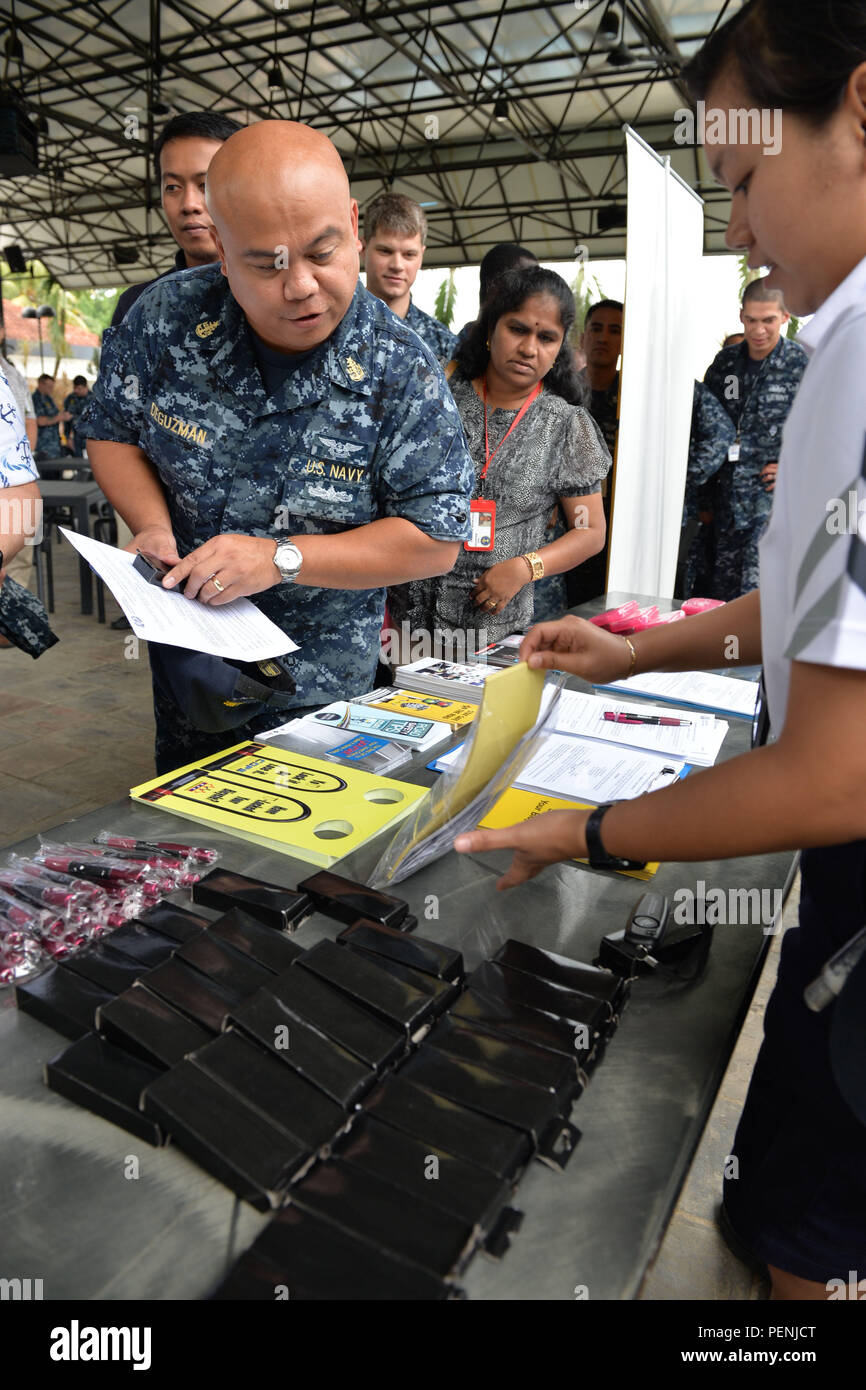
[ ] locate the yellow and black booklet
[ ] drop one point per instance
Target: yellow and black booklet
(317, 811)
(412, 702)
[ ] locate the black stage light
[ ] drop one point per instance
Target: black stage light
(18, 140)
(15, 259)
(606, 219)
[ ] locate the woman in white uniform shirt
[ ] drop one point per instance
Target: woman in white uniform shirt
(799, 1204)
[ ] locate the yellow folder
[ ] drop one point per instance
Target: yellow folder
(315, 810)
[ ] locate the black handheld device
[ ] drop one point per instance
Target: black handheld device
(153, 570)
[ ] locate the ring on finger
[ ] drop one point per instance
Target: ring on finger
(217, 585)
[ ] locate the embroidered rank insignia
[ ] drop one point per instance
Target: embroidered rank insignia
(355, 370)
(205, 329)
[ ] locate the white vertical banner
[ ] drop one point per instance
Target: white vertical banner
(664, 249)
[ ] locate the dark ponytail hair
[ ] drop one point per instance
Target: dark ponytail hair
(509, 292)
(794, 55)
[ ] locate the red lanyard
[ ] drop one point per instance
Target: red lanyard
(516, 421)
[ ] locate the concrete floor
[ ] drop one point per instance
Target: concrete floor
(76, 732)
(76, 725)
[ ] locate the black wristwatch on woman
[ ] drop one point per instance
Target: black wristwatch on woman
(598, 855)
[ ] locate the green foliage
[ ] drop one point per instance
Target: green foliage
(96, 307)
(587, 291)
(89, 309)
(746, 275)
(446, 298)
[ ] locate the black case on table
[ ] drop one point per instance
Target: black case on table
(267, 902)
(223, 965)
(106, 1080)
(398, 1004)
(559, 970)
(268, 947)
(62, 1000)
(179, 923)
(224, 1135)
(389, 1219)
(415, 951)
(509, 1057)
(441, 992)
(148, 1027)
(346, 901)
(310, 1052)
(378, 1044)
(187, 990)
(106, 967)
(450, 1183)
(281, 1096)
(311, 1259)
(499, 1148)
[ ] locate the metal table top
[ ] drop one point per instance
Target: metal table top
(73, 1215)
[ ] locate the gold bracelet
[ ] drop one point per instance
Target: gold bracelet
(633, 659)
(535, 563)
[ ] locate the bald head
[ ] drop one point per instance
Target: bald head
(286, 231)
(274, 161)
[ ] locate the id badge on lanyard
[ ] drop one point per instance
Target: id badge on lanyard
(482, 512)
(482, 519)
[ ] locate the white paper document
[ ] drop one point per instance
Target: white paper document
(589, 770)
(237, 629)
(697, 740)
(702, 689)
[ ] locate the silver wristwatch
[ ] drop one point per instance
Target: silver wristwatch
(288, 560)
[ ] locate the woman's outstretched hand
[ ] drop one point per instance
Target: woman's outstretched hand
(541, 841)
(578, 648)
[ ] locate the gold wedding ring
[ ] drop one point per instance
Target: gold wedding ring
(217, 585)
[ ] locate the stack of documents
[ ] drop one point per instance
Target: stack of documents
(505, 652)
(585, 769)
(696, 738)
(447, 678)
(700, 689)
(589, 770)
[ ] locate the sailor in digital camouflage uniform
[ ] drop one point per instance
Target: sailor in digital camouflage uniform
(712, 433)
(395, 239)
(755, 383)
(270, 398)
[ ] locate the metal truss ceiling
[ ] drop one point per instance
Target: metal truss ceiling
(408, 92)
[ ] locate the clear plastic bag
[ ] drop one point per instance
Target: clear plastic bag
(464, 794)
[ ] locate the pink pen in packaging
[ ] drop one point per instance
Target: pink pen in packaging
(91, 894)
(617, 615)
(164, 873)
(20, 954)
(198, 854)
(26, 917)
(89, 864)
(646, 617)
(700, 605)
(44, 894)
